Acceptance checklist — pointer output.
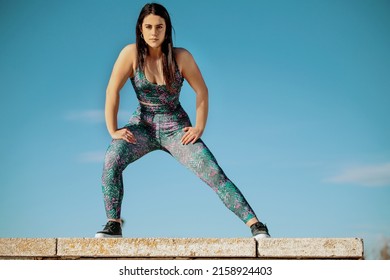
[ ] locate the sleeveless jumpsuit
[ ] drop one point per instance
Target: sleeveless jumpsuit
(160, 127)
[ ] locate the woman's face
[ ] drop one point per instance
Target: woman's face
(153, 30)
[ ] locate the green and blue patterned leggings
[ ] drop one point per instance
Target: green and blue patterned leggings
(161, 128)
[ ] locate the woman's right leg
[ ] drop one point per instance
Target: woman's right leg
(118, 156)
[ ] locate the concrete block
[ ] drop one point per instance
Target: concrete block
(157, 247)
(28, 247)
(311, 248)
(189, 248)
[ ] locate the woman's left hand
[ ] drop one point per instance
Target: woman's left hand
(191, 135)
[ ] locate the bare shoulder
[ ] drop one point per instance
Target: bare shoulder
(183, 58)
(129, 52)
(127, 59)
(182, 54)
(130, 49)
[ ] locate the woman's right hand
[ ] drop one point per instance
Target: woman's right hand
(124, 134)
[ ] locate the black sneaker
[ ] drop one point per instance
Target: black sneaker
(111, 230)
(260, 230)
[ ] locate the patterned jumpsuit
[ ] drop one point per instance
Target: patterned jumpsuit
(160, 127)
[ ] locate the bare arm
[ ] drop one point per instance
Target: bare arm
(192, 74)
(122, 70)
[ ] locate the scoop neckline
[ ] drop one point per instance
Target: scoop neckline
(149, 82)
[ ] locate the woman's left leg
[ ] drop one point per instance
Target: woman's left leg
(199, 159)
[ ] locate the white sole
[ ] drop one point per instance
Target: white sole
(261, 236)
(103, 235)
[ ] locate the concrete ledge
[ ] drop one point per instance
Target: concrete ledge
(158, 247)
(311, 248)
(28, 247)
(181, 248)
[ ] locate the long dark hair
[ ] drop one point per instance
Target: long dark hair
(168, 58)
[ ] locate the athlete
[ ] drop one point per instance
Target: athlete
(157, 71)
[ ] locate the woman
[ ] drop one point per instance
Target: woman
(157, 71)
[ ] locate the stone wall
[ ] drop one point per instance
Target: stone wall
(181, 248)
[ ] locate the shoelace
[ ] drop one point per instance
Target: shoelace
(111, 224)
(260, 226)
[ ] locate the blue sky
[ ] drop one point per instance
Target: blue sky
(299, 118)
